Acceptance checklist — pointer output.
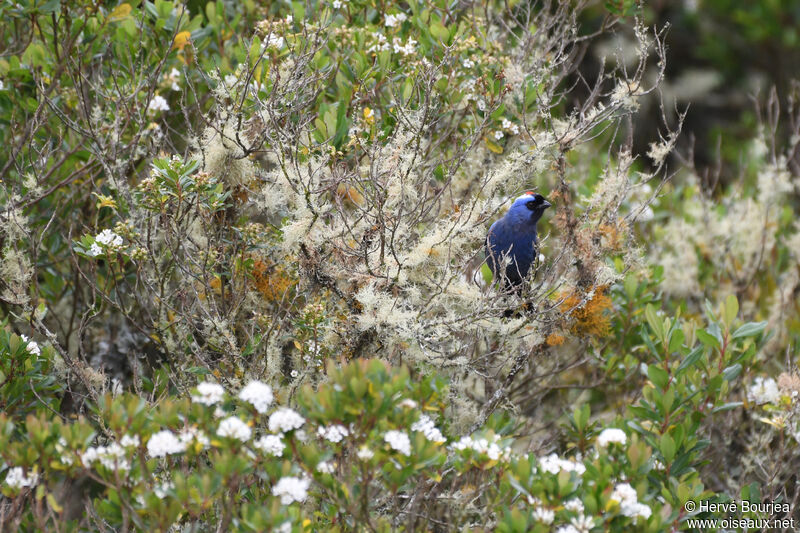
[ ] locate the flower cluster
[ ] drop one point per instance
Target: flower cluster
(553, 464)
(16, 478)
(427, 427)
(399, 441)
(233, 427)
(334, 433)
(291, 489)
(258, 394)
(209, 393)
(611, 435)
(271, 444)
(628, 501)
(164, 443)
(763, 390)
(31, 346)
(482, 445)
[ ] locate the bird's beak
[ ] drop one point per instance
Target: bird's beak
(546, 204)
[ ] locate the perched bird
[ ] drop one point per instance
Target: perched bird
(514, 236)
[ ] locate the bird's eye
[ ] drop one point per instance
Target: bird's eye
(531, 204)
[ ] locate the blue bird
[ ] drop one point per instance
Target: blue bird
(514, 236)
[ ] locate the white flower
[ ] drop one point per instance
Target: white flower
(325, 467)
(108, 238)
(364, 453)
(174, 76)
(553, 464)
(482, 445)
(258, 394)
(31, 346)
(16, 478)
(129, 441)
(337, 4)
(163, 443)
(285, 419)
(271, 444)
(408, 403)
(611, 435)
(637, 510)
(286, 527)
(333, 433)
(574, 505)
(624, 493)
(294, 373)
(158, 103)
(291, 489)
(393, 20)
(208, 393)
(95, 250)
(274, 41)
(582, 524)
(468, 63)
(481, 105)
(567, 529)
(399, 441)
(428, 428)
(111, 457)
(628, 502)
(234, 427)
(763, 390)
(161, 489)
(381, 45)
(289, 19)
(406, 49)
(498, 135)
(515, 129)
(543, 515)
(506, 124)
(2, 86)
(192, 434)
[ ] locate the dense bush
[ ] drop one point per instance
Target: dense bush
(245, 245)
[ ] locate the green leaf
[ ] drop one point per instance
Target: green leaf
(707, 339)
(731, 309)
(655, 323)
(727, 407)
(692, 358)
(658, 375)
(667, 447)
(440, 32)
(732, 372)
(751, 329)
(486, 272)
(676, 339)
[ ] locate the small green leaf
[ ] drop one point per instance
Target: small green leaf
(732, 372)
(707, 339)
(692, 358)
(751, 329)
(667, 447)
(731, 309)
(658, 376)
(727, 407)
(655, 323)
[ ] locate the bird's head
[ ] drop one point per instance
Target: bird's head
(528, 208)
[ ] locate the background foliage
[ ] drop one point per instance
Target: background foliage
(242, 283)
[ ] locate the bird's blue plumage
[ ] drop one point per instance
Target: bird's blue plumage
(514, 236)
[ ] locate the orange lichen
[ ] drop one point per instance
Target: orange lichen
(587, 312)
(271, 281)
(555, 339)
(612, 236)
